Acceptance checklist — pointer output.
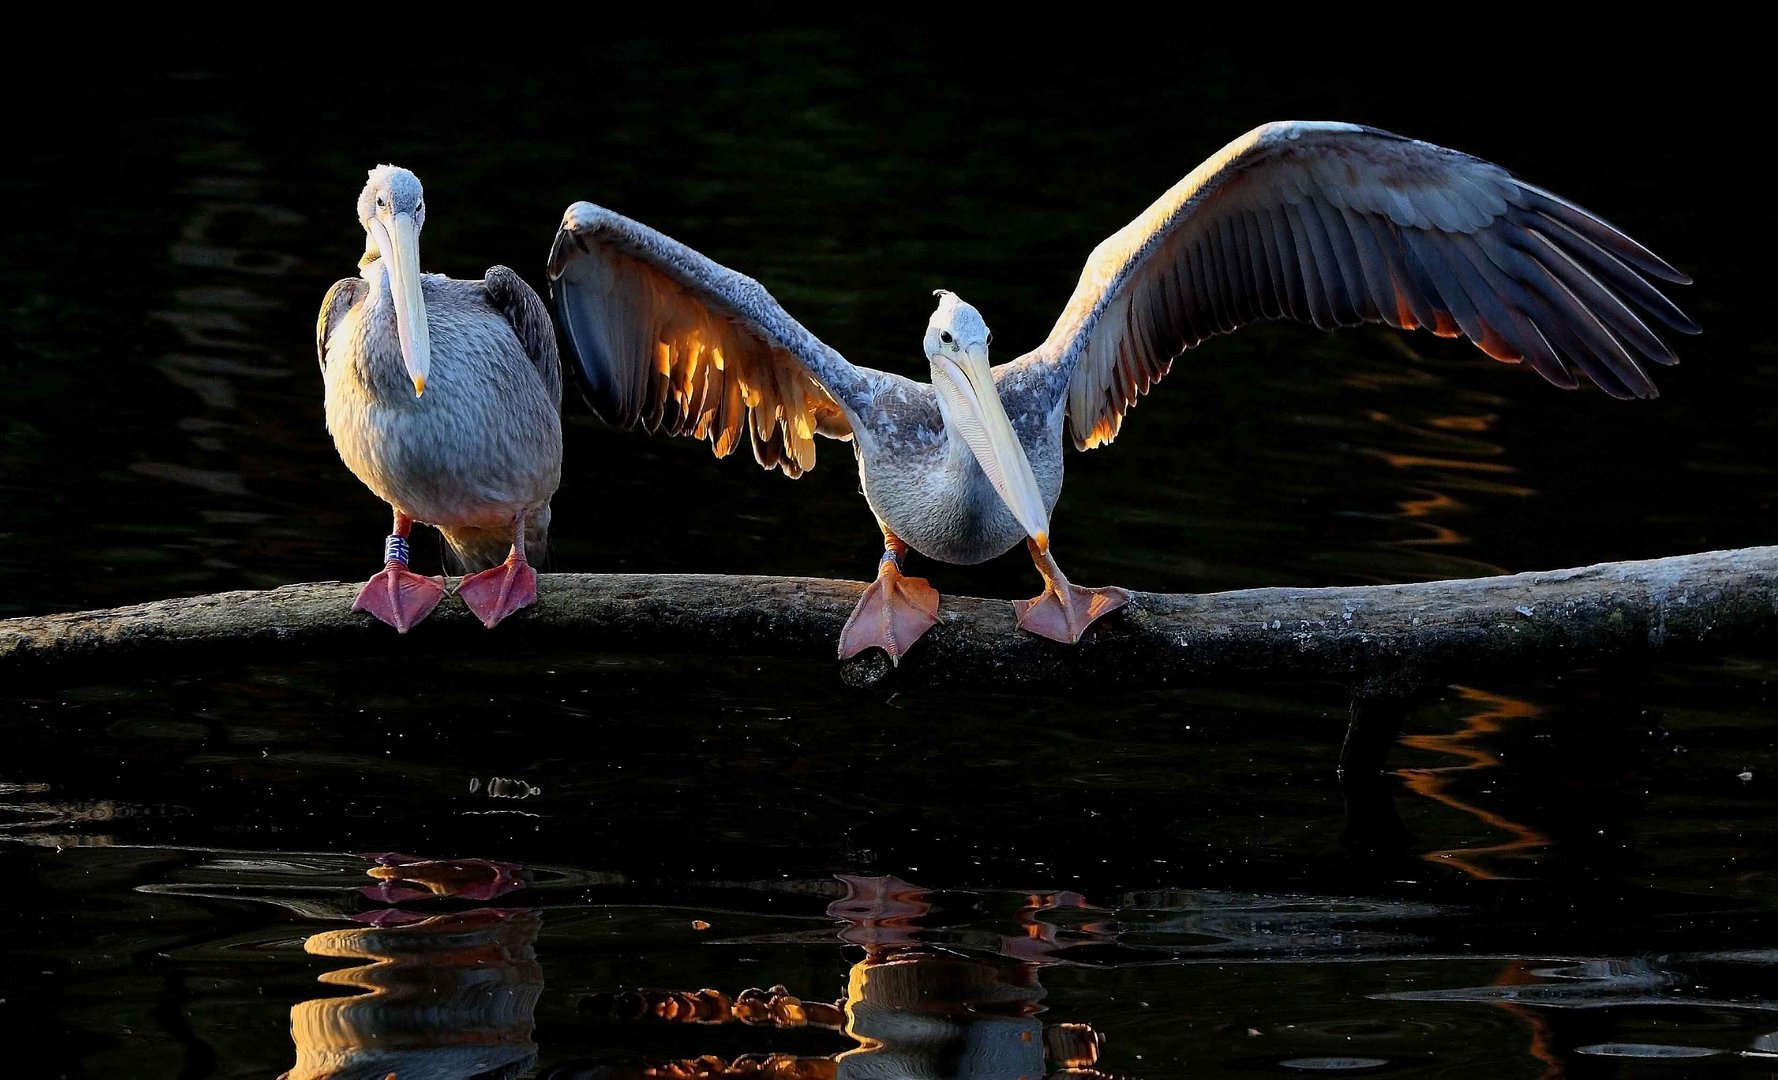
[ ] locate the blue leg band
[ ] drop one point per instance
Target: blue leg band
(395, 550)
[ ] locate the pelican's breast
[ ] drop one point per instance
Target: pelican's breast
(934, 495)
(485, 440)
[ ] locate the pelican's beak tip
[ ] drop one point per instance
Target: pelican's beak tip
(419, 385)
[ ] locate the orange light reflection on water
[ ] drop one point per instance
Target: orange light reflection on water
(1541, 1046)
(1450, 454)
(1491, 713)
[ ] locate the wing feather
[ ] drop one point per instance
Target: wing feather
(1336, 224)
(1346, 258)
(1373, 266)
(339, 300)
(665, 339)
(1266, 272)
(1285, 269)
(530, 322)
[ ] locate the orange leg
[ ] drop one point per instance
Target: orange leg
(1063, 612)
(894, 610)
(395, 595)
(495, 594)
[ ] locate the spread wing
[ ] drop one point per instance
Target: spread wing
(1337, 224)
(338, 301)
(667, 340)
(530, 321)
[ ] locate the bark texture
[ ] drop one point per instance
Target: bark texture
(1376, 640)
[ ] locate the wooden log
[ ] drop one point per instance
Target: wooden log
(1375, 640)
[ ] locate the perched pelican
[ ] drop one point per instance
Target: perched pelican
(1328, 223)
(471, 444)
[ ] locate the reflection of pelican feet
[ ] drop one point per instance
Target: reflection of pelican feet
(1065, 620)
(399, 597)
(495, 594)
(891, 615)
(401, 878)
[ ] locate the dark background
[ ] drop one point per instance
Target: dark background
(172, 234)
(1585, 864)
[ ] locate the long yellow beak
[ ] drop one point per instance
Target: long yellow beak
(399, 242)
(968, 388)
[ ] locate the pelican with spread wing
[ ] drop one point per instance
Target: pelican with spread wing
(1328, 223)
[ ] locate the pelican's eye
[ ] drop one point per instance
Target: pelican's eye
(944, 336)
(382, 203)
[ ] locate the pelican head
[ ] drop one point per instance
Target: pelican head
(957, 345)
(392, 209)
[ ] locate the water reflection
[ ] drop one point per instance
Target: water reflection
(911, 1008)
(1439, 456)
(455, 994)
(1490, 712)
(440, 972)
(917, 1010)
(401, 878)
(439, 996)
(922, 1012)
(58, 824)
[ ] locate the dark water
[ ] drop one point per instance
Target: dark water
(1560, 877)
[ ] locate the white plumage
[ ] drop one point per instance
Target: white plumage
(443, 397)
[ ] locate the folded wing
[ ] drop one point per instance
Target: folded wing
(1337, 224)
(529, 319)
(339, 300)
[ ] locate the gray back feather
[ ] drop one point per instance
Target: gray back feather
(524, 309)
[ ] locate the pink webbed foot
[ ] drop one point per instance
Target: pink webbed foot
(891, 615)
(1065, 620)
(1064, 611)
(399, 597)
(495, 594)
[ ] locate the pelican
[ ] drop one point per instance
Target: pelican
(444, 397)
(1329, 223)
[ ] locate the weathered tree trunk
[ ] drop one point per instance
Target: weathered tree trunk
(1386, 639)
